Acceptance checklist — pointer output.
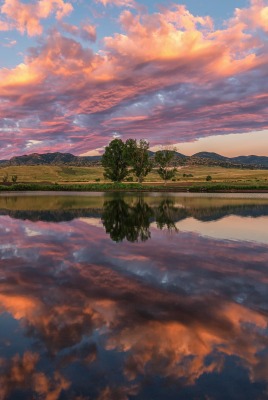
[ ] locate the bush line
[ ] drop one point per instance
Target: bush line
(223, 187)
(98, 187)
(79, 188)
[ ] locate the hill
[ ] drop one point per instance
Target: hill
(207, 158)
(52, 159)
(201, 158)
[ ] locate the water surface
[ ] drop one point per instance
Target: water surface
(106, 296)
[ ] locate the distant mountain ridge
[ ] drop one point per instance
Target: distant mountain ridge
(251, 161)
(51, 159)
(201, 158)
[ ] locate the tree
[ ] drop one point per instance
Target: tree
(138, 157)
(164, 158)
(114, 161)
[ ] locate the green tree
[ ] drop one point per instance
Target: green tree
(138, 157)
(163, 159)
(114, 161)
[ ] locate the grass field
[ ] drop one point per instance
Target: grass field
(66, 174)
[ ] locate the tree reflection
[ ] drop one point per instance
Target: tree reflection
(132, 222)
(166, 214)
(124, 221)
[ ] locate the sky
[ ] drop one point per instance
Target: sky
(74, 74)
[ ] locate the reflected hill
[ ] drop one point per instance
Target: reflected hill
(52, 215)
(217, 213)
(129, 217)
(132, 218)
(166, 209)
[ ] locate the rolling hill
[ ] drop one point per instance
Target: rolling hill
(207, 158)
(201, 158)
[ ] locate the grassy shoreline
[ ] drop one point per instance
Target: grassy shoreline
(134, 187)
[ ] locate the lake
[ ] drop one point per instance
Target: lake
(119, 297)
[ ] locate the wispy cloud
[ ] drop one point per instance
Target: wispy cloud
(9, 42)
(118, 3)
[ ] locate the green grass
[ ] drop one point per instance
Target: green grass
(91, 187)
(70, 187)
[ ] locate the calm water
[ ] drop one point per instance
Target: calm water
(108, 297)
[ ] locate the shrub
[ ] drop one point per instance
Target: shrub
(14, 178)
(97, 180)
(5, 178)
(209, 178)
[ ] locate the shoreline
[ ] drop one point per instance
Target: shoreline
(132, 187)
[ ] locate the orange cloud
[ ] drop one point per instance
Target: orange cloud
(26, 17)
(254, 17)
(20, 373)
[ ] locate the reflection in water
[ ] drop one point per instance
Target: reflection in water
(177, 316)
(132, 222)
(166, 215)
(123, 221)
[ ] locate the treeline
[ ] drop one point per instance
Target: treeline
(121, 159)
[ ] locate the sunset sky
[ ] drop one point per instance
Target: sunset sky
(76, 73)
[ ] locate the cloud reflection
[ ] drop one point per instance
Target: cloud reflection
(177, 307)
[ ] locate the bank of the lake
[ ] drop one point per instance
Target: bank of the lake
(134, 187)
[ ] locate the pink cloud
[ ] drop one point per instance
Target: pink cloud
(168, 76)
(26, 17)
(4, 26)
(86, 31)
